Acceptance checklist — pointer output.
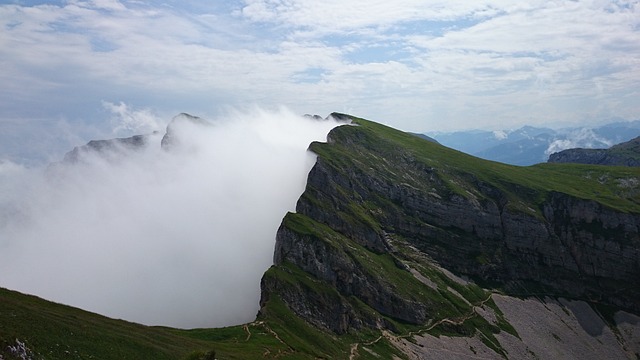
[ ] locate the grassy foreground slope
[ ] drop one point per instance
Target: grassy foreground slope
(34, 328)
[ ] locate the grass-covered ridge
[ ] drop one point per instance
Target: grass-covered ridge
(614, 187)
(481, 218)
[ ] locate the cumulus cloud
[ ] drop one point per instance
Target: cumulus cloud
(500, 134)
(489, 63)
(176, 237)
(127, 120)
(580, 138)
(336, 16)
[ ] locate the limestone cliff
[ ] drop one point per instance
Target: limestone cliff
(385, 215)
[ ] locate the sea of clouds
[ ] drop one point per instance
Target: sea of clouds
(177, 237)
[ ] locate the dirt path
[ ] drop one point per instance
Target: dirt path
(354, 346)
(269, 330)
(354, 351)
(459, 321)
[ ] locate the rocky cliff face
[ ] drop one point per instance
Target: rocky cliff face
(572, 246)
(382, 210)
(181, 123)
(110, 149)
(114, 149)
(624, 154)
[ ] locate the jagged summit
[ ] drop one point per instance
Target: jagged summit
(341, 117)
(314, 117)
(112, 148)
(115, 148)
(170, 138)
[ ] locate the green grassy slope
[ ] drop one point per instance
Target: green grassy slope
(54, 331)
(604, 184)
(629, 149)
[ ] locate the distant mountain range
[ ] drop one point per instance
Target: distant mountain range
(531, 145)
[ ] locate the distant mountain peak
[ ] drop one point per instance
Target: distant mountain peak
(112, 148)
(529, 145)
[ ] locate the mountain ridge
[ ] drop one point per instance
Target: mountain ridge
(364, 220)
(400, 247)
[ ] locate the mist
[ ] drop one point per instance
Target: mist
(578, 138)
(177, 237)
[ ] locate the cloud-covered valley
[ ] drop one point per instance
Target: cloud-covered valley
(177, 236)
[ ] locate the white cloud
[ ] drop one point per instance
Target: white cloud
(356, 15)
(581, 138)
(113, 5)
(434, 62)
(127, 121)
(500, 134)
(178, 237)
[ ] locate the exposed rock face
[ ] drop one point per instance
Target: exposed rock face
(171, 138)
(341, 271)
(579, 156)
(313, 117)
(107, 148)
(624, 154)
(368, 190)
(114, 149)
(547, 329)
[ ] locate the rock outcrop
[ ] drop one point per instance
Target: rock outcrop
(111, 149)
(180, 123)
(547, 329)
(115, 149)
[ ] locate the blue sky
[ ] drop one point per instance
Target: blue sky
(77, 69)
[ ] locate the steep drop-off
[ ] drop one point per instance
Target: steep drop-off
(385, 213)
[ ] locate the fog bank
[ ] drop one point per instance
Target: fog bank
(177, 237)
